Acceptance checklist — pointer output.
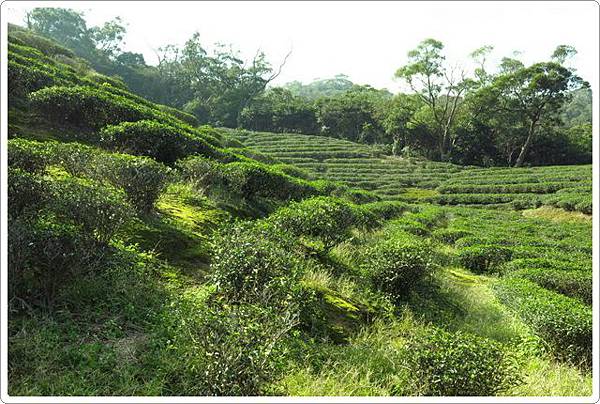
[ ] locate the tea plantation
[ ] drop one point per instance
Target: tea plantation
(149, 255)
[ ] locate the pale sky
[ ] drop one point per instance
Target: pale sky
(367, 41)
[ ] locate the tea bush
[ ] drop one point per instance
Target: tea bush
(98, 210)
(27, 155)
(26, 191)
(449, 236)
(324, 218)
(545, 263)
(251, 263)
(182, 116)
(225, 350)
(46, 46)
(563, 322)
(85, 107)
(142, 178)
(576, 284)
(462, 364)
(395, 265)
(44, 254)
(23, 79)
(484, 258)
(251, 180)
(163, 143)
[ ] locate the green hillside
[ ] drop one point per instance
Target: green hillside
(396, 178)
(149, 255)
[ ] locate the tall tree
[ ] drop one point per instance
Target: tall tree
(440, 87)
(535, 95)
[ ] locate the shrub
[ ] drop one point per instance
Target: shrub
(251, 180)
(449, 236)
(85, 107)
(563, 322)
(484, 258)
(358, 196)
(162, 142)
(26, 191)
(576, 284)
(23, 79)
(98, 210)
(385, 210)
(27, 155)
(293, 171)
(395, 265)
(462, 364)
(252, 263)
(46, 46)
(225, 350)
(324, 218)
(142, 178)
(43, 254)
(545, 263)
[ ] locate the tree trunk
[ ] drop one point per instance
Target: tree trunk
(525, 147)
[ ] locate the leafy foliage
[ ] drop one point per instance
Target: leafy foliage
(564, 323)
(162, 142)
(462, 364)
(484, 258)
(397, 264)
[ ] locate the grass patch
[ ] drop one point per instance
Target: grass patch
(557, 215)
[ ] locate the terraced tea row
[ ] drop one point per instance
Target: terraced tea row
(393, 178)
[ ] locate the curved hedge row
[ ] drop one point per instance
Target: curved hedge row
(484, 258)
(141, 178)
(395, 265)
(580, 202)
(576, 284)
(324, 218)
(563, 322)
(244, 179)
(163, 143)
(85, 106)
(462, 364)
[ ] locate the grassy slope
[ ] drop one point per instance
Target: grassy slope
(114, 346)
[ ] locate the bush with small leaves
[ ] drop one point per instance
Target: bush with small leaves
(251, 180)
(449, 236)
(43, 254)
(86, 107)
(254, 263)
(142, 178)
(484, 258)
(324, 218)
(182, 116)
(44, 45)
(545, 263)
(462, 364)
(23, 79)
(358, 196)
(98, 210)
(387, 210)
(162, 142)
(293, 171)
(396, 265)
(225, 350)
(28, 155)
(576, 284)
(26, 192)
(563, 322)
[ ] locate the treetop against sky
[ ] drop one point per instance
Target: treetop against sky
(365, 40)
